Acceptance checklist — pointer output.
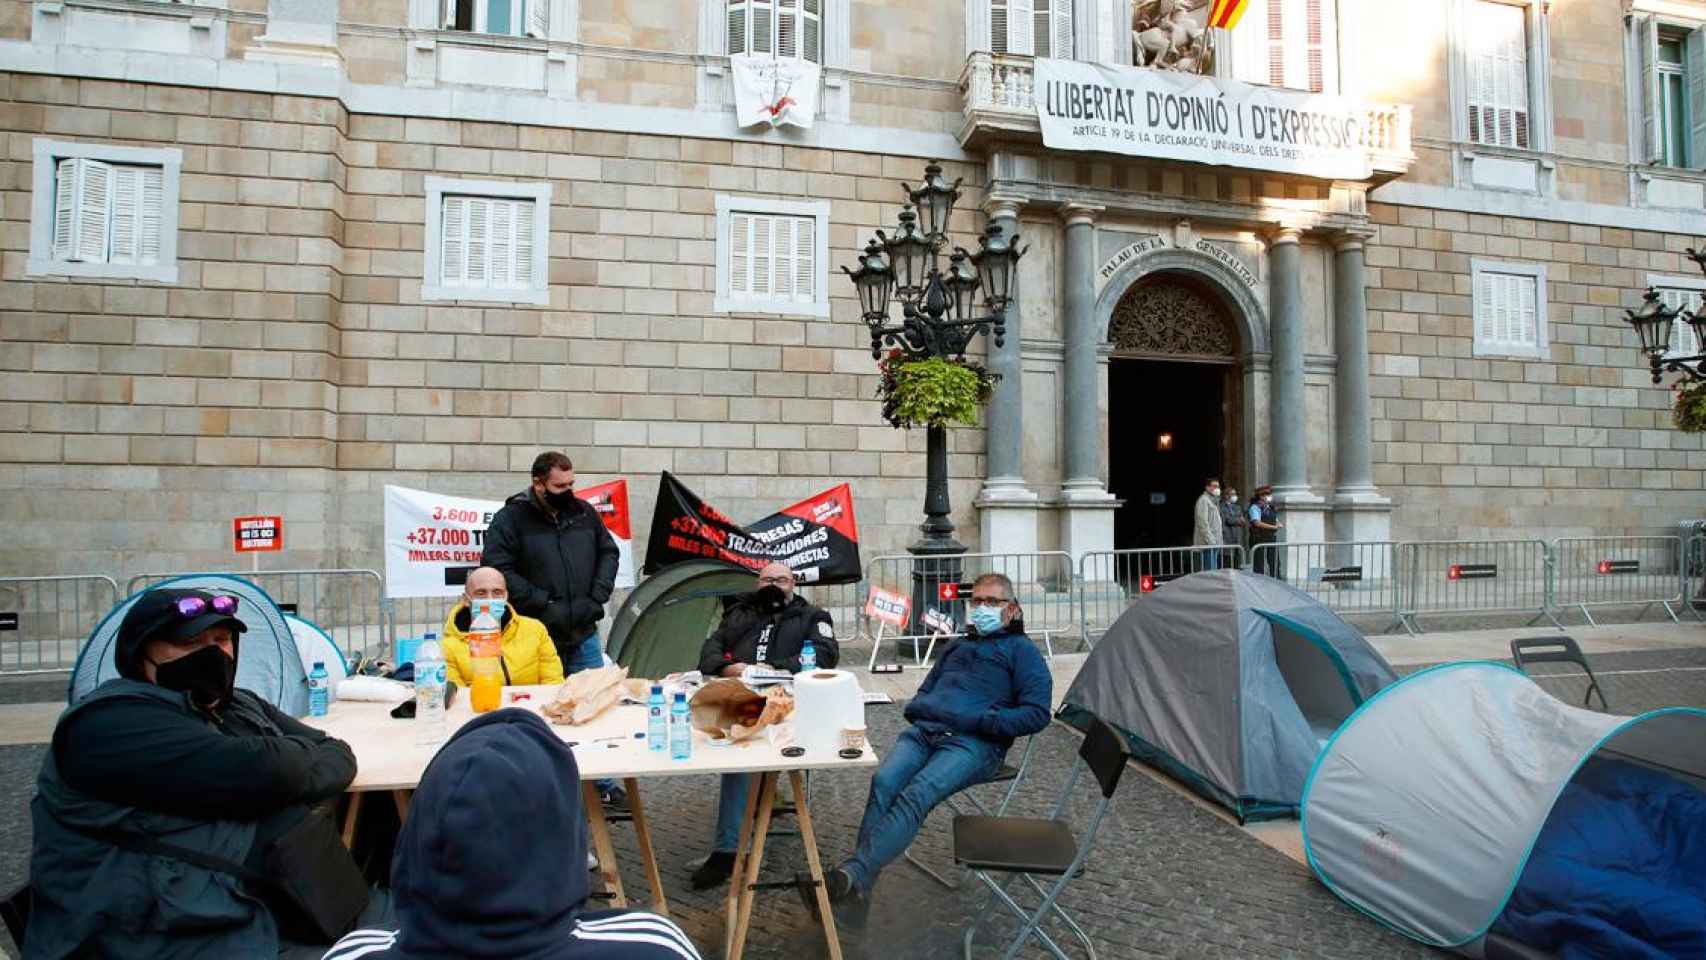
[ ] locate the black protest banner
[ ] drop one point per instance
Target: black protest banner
(817, 538)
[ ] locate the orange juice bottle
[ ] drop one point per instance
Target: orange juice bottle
(485, 690)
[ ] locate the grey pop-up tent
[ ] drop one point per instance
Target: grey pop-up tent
(1230, 682)
(1467, 808)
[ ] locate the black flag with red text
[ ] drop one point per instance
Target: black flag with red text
(817, 538)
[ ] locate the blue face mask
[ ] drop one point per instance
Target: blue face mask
(987, 620)
(498, 605)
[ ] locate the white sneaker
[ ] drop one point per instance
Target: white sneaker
(591, 861)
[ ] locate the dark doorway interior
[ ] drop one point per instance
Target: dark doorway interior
(1146, 400)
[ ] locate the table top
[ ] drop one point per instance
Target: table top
(388, 758)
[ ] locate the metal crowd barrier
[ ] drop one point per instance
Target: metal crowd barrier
(845, 603)
(1042, 583)
(1350, 578)
(1475, 576)
(44, 621)
(349, 605)
(1109, 581)
(1618, 571)
(1694, 574)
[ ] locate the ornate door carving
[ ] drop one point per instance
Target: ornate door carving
(1170, 317)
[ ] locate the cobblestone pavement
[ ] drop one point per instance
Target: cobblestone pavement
(1633, 682)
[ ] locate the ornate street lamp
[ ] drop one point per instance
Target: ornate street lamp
(940, 316)
(1653, 322)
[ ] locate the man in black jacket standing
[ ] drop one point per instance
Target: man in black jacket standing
(559, 563)
(768, 627)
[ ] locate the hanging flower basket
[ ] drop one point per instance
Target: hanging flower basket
(933, 392)
(1689, 406)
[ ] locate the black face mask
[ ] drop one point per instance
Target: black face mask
(560, 501)
(207, 675)
(770, 596)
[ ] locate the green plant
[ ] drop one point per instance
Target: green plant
(933, 392)
(1689, 406)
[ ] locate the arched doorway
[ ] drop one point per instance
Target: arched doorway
(1175, 405)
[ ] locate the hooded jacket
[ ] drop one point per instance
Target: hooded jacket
(560, 569)
(996, 688)
(529, 656)
(474, 876)
(782, 631)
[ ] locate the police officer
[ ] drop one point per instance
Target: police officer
(1264, 528)
(767, 627)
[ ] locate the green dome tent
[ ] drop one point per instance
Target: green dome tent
(666, 619)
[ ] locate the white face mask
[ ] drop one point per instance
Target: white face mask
(1233, 498)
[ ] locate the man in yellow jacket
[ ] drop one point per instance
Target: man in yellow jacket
(529, 656)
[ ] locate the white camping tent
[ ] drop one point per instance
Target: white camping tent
(1444, 790)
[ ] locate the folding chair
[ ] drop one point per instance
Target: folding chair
(1031, 846)
(1527, 650)
(1009, 775)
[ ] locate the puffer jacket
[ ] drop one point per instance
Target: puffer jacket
(529, 656)
(996, 688)
(560, 569)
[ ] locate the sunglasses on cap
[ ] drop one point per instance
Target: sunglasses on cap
(191, 607)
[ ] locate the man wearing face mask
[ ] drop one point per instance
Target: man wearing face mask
(172, 751)
(1206, 529)
(767, 627)
(529, 657)
(1264, 528)
(983, 693)
(1232, 523)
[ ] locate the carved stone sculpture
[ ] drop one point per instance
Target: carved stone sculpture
(1172, 35)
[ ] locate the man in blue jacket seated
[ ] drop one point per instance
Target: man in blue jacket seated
(983, 692)
(475, 877)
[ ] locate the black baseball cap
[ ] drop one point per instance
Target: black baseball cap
(155, 616)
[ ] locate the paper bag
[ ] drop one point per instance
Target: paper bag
(591, 692)
(728, 709)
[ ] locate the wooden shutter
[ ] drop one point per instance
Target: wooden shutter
(762, 38)
(788, 28)
(763, 256)
(522, 271)
(1683, 343)
(1276, 42)
(740, 253)
(1041, 28)
(453, 242)
(538, 18)
(1694, 77)
(126, 214)
(998, 26)
(1652, 99)
(737, 27)
(1315, 47)
(479, 241)
(94, 211)
(812, 27)
(151, 218)
(64, 208)
(1498, 74)
(1507, 310)
(1019, 27)
(500, 251)
(1060, 36)
(805, 259)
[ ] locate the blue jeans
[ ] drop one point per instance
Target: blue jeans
(920, 772)
(731, 806)
(587, 654)
(1211, 560)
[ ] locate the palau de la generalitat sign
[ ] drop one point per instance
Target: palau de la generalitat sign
(1142, 112)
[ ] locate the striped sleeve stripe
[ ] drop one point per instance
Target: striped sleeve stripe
(638, 928)
(362, 943)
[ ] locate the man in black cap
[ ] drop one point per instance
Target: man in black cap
(170, 750)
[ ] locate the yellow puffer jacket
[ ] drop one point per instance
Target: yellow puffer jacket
(529, 655)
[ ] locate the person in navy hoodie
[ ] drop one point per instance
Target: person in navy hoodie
(983, 693)
(474, 876)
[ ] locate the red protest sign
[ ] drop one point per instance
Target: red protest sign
(257, 534)
(890, 608)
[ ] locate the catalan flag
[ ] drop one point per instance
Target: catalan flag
(1227, 13)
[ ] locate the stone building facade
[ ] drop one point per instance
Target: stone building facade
(285, 332)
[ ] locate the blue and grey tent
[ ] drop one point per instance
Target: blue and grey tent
(1230, 682)
(1467, 808)
(267, 661)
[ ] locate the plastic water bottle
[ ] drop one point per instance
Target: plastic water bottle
(680, 729)
(430, 678)
(808, 657)
(319, 690)
(657, 720)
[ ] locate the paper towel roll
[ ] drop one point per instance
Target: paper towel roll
(825, 701)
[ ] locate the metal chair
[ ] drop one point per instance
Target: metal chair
(1527, 650)
(1029, 847)
(1009, 775)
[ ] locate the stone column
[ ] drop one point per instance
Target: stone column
(1288, 414)
(1359, 511)
(1087, 509)
(299, 31)
(1007, 508)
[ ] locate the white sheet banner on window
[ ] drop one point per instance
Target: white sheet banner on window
(1151, 113)
(432, 540)
(774, 90)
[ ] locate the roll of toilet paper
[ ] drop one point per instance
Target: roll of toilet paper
(825, 702)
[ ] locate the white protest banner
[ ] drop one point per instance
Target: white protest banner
(432, 540)
(1153, 113)
(773, 90)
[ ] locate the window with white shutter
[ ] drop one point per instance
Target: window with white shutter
(507, 18)
(487, 241)
(1681, 293)
(103, 211)
(771, 256)
(1040, 28)
(790, 29)
(1510, 310)
(1287, 43)
(1496, 43)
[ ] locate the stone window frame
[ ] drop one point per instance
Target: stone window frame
(1542, 347)
(1681, 333)
(432, 287)
(48, 153)
(716, 91)
(1097, 34)
(1542, 140)
(819, 210)
(423, 66)
(1646, 128)
(1250, 53)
